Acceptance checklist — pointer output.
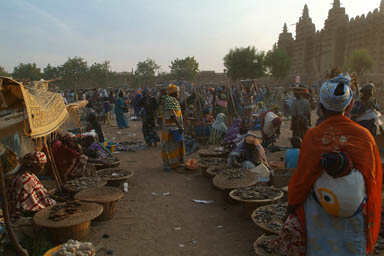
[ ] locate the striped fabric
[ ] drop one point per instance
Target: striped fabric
(26, 193)
(216, 136)
(172, 152)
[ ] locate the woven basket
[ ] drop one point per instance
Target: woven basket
(208, 153)
(212, 171)
(115, 181)
(208, 162)
(99, 184)
(281, 177)
(250, 205)
(114, 162)
(262, 225)
(260, 240)
(108, 197)
(73, 227)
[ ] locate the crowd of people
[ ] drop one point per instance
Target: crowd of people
(337, 162)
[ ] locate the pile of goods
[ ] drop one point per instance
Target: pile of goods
(213, 161)
(75, 248)
(271, 216)
(82, 183)
(62, 211)
(113, 173)
(257, 192)
(130, 146)
(233, 174)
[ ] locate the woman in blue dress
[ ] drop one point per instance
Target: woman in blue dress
(121, 120)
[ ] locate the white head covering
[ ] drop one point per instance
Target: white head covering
(332, 102)
(219, 123)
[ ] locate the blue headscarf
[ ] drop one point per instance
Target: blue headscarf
(336, 100)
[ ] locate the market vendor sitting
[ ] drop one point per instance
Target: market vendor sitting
(70, 163)
(248, 154)
(93, 149)
(270, 128)
(24, 191)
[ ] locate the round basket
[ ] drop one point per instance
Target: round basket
(100, 183)
(50, 186)
(73, 227)
(208, 153)
(53, 251)
(259, 251)
(263, 225)
(212, 171)
(113, 162)
(281, 176)
(205, 163)
(115, 181)
(250, 205)
(223, 183)
(108, 197)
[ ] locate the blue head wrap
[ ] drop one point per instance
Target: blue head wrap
(330, 100)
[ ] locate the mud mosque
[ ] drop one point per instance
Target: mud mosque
(314, 52)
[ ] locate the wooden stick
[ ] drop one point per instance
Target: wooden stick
(20, 250)
(55, 171)
(201, 112)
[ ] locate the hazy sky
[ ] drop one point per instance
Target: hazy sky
(127, 31)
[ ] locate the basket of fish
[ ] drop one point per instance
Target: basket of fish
(255, 196)
(115, 177)
(230, 179)
(79, 184)
(111, 162)
(259, 246)
(214, 152)
(73, 248)
(212, 171)
(205, 163)
(270, 217)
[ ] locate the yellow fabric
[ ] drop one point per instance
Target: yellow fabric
(172, 88)
(46, 111)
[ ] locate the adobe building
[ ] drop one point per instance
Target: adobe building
(313, 52)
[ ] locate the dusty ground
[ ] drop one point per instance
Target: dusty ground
(158, 225)
(145, 224)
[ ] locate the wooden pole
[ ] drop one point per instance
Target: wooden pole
(12, 236)
(55, 171)
(201, 111)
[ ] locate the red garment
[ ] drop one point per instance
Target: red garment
(339, 133)
(26, 193)
(65, 158)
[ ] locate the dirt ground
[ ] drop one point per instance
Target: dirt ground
(150, 223)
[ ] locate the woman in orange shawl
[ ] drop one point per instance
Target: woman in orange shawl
(337, 133)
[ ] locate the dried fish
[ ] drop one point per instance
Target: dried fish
(62, 211)
(82, 183)
(257, 192)
(234, 173)
(112, 173)
(272, 216)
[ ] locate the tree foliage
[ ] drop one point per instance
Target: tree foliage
(74, 69)
(360, 61)
(278, 62)
(145, 72)
(3, 72)
(51, 72)
(100, 74)
(28, 71)
(244, 63)
(184, 69)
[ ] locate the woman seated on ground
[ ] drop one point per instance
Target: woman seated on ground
(248, 154)
(71, 163)
(93, 124)
(24, 191)
(218, 130)
(95, 150)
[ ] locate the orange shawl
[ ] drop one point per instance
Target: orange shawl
(339, 133)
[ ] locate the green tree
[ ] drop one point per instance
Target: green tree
(278, 62)
(164, 77)
(244, 63)
(28, 71)
(3, 72)
(145, 73)
(184, 69)
(51, 72)
(100, 74)
(72, 71)
(360, 61)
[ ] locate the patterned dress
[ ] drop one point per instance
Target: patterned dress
(26, 193)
